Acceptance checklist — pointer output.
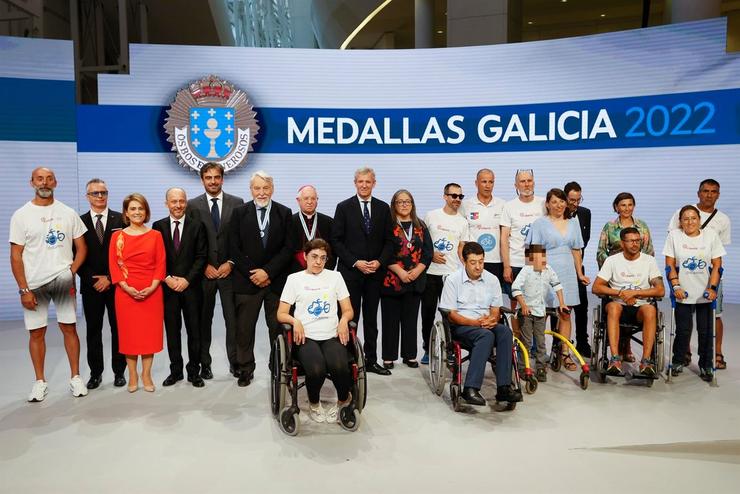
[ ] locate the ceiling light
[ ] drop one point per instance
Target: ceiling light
(603, 15)
(362, 24)
(564, 1)
(530, 23)
(440, 32)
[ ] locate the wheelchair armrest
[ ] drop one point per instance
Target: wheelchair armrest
(285, 327)
(507, 310)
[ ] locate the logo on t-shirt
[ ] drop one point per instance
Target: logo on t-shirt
(692, 264)
(525, 230)
(474, 215)
(318, 307)
(53, 237)
(443, 245)
(487, 241)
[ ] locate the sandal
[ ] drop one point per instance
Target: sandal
(568, 362)
(719, 361)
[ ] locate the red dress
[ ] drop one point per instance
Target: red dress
(138, 259)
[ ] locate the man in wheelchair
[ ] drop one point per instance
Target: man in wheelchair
(320, 340)
(473, 297)
(630, 279)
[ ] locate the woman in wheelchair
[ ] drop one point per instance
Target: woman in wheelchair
(630, 278)
(693, 257)
(319, 337)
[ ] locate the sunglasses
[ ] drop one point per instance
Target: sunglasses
(456, 196)
(101, 193)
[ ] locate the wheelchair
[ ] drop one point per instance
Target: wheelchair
(284, 382)
(631, 330)
(445, 355)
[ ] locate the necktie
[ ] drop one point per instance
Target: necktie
(176, 236)
(366, 217)
(99, 228)
(215, 214)
(264, 232)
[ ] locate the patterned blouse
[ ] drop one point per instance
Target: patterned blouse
(420, 252)
(610, 244)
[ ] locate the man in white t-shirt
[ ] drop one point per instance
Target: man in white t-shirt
(630, 278)
(449, 231)
(483, 214)
(42, 234)
(714, 219)
(518, 215)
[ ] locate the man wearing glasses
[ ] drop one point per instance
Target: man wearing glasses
(575, 198)
(483, 213)
(449, 231)
(95, 286)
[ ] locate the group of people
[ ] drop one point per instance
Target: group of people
(318, 273)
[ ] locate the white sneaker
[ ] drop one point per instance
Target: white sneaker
(331, 414)
(316, 413)
(38, 392)
(77, 387)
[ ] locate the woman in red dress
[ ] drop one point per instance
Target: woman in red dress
(137, 266)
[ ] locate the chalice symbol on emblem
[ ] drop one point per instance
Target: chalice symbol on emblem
(212, 133)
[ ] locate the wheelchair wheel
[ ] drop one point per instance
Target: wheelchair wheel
(596, 340)
(289, 422)
(437, 358)
(584, 380)
(361, 377)
(531, 385)
(278, 385)
(349, 418)
(455, 397)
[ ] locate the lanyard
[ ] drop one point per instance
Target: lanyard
(408, 235)
(309, 236)
(262, 224)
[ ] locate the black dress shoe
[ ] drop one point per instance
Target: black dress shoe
(473, 397)
(411, 363)
(505, 393)
(172, 379)
(244, 379)
(206, 373)
(388, 365)
(376, 369)
(196, 381)
(94, 382)
(119, 381)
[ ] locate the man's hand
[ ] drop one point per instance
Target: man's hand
(28, 300)
(373, 265)
(508, 275)
(363, 266)
(629, 296)
(211, 272)
(439, 258)
(102, 283)
(259, 277)
(487, 322)
(224, 270)
(171, 282)
(584, 279)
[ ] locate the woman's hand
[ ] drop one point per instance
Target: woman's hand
(710, 294)
(299, 335)
(343, 332)
(130, 291)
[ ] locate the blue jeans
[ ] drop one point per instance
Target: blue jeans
(482, 341)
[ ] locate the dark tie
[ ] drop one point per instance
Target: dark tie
(99, 228)
(262, 219)
(215, 214)
(366, 216)
(176, 236)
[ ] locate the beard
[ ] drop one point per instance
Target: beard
(44, 193)
(526, 193)
(261, 204)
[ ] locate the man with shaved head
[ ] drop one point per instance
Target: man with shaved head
(308, 224)
(42, 233)
(186, 248)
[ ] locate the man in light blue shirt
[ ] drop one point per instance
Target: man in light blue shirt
(473, 297)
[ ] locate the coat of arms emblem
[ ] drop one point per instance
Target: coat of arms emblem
(211, 121)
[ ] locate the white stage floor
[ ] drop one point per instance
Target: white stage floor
(682, 437)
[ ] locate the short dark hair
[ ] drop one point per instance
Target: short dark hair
(451, 184)
(628, 231)
(210, 166)
(534, 249)
(317, 243)
(472, 248)
(571, 186)
(621, 197)
(708, 181)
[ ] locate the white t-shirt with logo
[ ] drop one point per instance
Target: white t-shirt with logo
(483, 225)
(622, 274)
(47, 234)
(316, 298)
(720, 224)
(693, 257)
(446, 231)
(519, 216)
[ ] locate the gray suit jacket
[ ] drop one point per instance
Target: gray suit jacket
(218, 241)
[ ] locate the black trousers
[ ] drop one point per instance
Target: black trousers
(247, 312)
(429, 301)
(364, 293)
(225, 290)
(94, 305)
(179, 306)
(400, 312)
(580, 312)
(322, 358)
(684, 313)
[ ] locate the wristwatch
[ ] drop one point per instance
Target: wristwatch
(713, 287)
(24, 291)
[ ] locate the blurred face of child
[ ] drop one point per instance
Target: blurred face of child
(538, 260)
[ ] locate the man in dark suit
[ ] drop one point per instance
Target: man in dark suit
(95, 286)
(186, 248)
(261, 253)
(307, 224)
(358, 238)
(214, 207)
(573, 192)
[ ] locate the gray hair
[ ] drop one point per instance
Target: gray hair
(364, 170)
(484, 170)
(304, 187)
(95, 181)
(528, 171)
(261, 174)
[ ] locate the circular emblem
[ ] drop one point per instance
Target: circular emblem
(487, 241)
(210, 120)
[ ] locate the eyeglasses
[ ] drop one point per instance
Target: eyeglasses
(98, 193)
(456, 196)
(575, 201)
(315, 257)
(404, 202)
(632, 241)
